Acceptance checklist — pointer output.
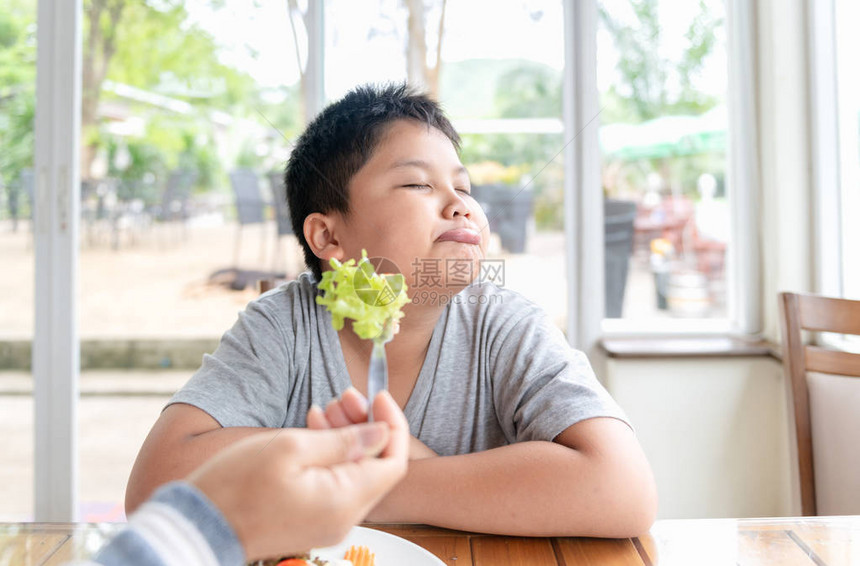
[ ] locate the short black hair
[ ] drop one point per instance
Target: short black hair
(340, 140)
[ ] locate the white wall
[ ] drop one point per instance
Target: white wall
(715, 431)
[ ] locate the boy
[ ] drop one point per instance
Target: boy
(511, 431)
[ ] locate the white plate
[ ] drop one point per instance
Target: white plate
(390, 550)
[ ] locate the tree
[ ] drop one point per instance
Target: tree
(643, 88)
(17, 93)
(419, 71)
(101, 19)
(531, 90)
(162, 51)
(650, 85)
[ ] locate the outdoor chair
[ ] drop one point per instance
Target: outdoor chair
(509, 210)
(825, 389)
(175, 207)
(250, 207)
(24, 184)
(618, 218)
(285, 223)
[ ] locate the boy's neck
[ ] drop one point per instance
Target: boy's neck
(411, 341)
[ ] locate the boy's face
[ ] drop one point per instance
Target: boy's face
(410, 203)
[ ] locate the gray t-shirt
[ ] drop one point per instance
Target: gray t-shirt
(497, 371)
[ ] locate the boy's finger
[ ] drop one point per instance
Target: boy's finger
(335, 414)
(354, 405)
(385, 409)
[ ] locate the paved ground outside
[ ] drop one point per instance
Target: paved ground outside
(160, 287)
(115, 413)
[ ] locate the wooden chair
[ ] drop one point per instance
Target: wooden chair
(821, 314)
(266, 285)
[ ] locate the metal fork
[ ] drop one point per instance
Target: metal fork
(377, 372)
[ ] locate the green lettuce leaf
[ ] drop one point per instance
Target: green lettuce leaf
(373, 301)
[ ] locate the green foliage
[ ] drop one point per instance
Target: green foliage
(17, 115)
(478, 88)
(17, 89)
(281, 108)
(511, 89)
(642, 91)
(248, 158)
(529, 91)
(649, 85)
(17, 46)
(146, 167)
(161, 51)
(197, 155)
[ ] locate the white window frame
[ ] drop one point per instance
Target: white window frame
(823, 100)
(831, 208)
(56, 346)
(584, 206)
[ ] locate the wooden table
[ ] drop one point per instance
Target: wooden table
(831, 541)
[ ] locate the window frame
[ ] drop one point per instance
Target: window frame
(824, 148)
(743, 284)
(827, 175)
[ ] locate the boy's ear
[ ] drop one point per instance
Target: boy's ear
(320, 236)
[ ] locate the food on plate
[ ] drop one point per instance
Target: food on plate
(355, 556)
(360, 556)
(372, 300)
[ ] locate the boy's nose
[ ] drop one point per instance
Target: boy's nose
(457, 206)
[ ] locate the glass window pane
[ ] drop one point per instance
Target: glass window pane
(184, 143)
(662, 81)
(501, 86)
(17, 104)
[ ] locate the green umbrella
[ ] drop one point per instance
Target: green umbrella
(667, 136)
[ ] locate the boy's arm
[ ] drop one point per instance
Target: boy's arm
(181, 439)
(593, 480)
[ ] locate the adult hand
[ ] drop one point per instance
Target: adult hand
(351, 409)
(287, 491)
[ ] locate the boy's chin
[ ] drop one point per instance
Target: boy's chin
(435, 295)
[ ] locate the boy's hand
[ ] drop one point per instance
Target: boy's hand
(289, 490)
(351, 409)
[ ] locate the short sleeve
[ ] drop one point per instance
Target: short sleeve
(541, 385)
(245, 382)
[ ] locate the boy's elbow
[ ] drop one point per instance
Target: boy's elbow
(631, 505)
(138, 490)
(133, 499)
(639, 509)
(643, 513)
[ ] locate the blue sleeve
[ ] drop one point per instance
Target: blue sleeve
(178, 525)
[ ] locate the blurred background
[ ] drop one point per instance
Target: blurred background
(190, 109)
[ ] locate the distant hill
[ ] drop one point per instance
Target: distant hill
(468, 88)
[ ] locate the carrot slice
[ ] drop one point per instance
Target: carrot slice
(293, 562)
(360, 556)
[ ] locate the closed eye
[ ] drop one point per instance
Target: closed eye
(417, 186)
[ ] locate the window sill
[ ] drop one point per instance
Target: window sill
(699, 347)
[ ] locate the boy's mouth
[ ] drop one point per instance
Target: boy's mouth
(461, 235)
